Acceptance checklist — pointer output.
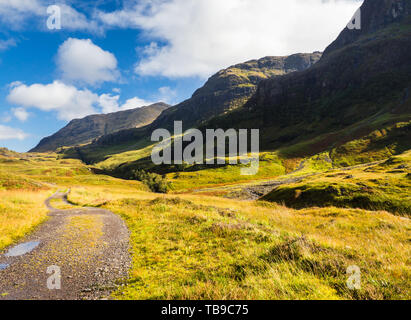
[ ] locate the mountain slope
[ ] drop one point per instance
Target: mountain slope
(360, 84)
(81, 131)
(227, 90)
(231, 88)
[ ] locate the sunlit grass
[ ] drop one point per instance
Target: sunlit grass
(381, 186)
(195, 246)
(199, 247)
(20, 212)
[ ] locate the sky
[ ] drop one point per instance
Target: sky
(63, 60)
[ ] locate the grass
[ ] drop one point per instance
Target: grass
(380, 186)
(27, 180)
(270, 166)
(192, 246)
(378, 145)
(185, 248)
(20, 212)
(60, 204)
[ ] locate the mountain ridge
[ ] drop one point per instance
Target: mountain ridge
(227, 90)
(368, 77)
(350, 92)
(85, 130)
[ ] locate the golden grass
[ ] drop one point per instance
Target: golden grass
(195, 246)
(20, 212)
(27, 180)
(200, 247)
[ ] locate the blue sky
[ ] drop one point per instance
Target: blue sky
(115, 55)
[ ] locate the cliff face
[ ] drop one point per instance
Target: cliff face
(361, 74)
(375, 15)
(360, 84)
(81, 131)
(230, 88)
(227, 90)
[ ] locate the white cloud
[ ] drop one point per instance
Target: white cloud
(203, 36)
(134, 103)
(73, 20)
(81, 60)
(110, 103)
(17, 13)
(8, 133)
(20, 113)
(66, 100)
(6, 44)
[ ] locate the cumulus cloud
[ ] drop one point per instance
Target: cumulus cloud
(110, 103)
(16, 14)
(204, 36)
(81, 60)
(21, 114)
(135, 103)
(68, 101)
(73, 20)
(8, 133)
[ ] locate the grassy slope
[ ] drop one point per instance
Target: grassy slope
(384, 185)
(374, 139)
(202, 247)
(193, 247)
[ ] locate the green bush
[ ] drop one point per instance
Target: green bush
(155, 182)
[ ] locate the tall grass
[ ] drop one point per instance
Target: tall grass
(20, 212)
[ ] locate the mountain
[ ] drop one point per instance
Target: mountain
(353, 102)
(230, 88)
(82, 131)
(360, 84)
(227, 90)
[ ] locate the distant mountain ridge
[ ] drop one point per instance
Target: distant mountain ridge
(227, 90)
(81, 131)
(358, 89)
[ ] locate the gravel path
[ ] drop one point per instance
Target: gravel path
(256, 190)
(89, 247)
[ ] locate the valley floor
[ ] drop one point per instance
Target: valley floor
(203, 246)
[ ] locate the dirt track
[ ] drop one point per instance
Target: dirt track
(256, 190)
(90, 246)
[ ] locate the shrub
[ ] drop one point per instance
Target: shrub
(155, 182)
